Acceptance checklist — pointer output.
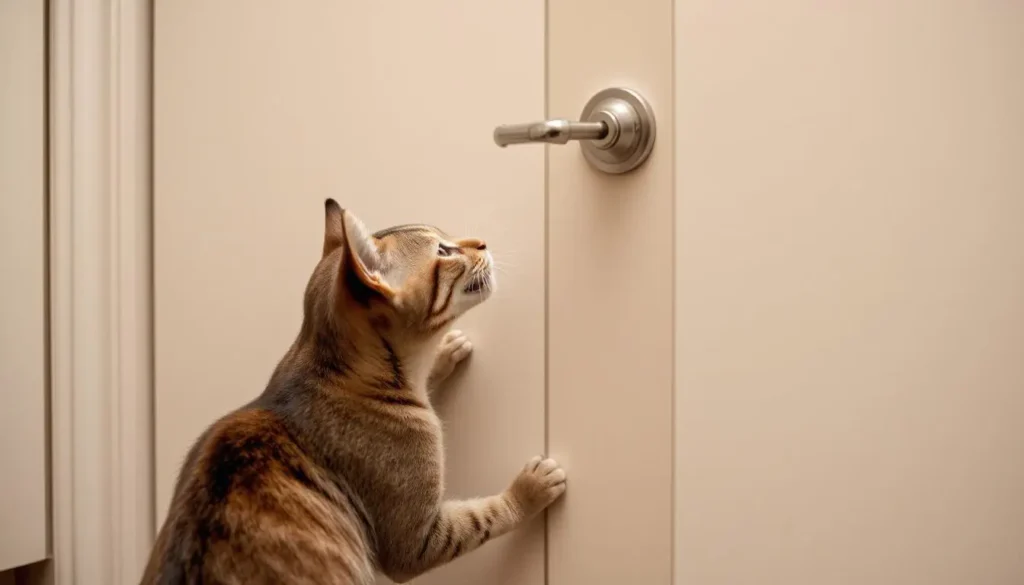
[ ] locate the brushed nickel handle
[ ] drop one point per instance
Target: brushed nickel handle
(616, 131)
(549, 131)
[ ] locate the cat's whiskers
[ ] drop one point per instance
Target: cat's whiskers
(501, 266)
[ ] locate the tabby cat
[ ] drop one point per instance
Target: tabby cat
(336, 471)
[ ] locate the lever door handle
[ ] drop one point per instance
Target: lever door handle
(616, 131)
(549, 131)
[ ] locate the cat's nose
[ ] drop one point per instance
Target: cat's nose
(474, 243)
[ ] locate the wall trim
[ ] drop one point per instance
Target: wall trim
(100, 289)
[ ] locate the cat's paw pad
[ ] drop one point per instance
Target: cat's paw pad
(540, 483)
(454, 348)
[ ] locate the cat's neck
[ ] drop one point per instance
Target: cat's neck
(362, 360)
(418, 360)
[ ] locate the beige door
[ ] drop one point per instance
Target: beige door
(263, 109)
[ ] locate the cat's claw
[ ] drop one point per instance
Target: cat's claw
(454, 348)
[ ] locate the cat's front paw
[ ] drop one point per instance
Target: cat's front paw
(540, 483)
(454, 348)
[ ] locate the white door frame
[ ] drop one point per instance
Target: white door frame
(100, 290)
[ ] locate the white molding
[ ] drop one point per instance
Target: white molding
(100, 287)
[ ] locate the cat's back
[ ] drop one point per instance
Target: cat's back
(251, 507)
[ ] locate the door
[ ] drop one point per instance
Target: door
(263, 109)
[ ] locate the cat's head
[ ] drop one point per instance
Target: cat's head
(414, 278)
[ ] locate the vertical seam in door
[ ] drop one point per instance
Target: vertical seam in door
(48, 247)
(151, 219)
(547, 263)
(674, 254)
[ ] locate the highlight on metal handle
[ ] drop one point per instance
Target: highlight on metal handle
(549, 131)
(616, 131)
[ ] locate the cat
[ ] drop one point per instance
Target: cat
(336, 471)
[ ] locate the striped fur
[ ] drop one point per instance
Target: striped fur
(336, 472)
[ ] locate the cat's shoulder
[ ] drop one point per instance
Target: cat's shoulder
(246, 443)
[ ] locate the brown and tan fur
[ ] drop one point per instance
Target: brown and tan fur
(336, 471)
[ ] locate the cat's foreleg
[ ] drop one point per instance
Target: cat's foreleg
(459, 526)
(454, 348)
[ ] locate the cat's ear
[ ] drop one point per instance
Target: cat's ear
(334, 226)
(362, 259)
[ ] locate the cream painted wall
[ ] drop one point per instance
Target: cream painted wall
(23, 516)
(849, 292)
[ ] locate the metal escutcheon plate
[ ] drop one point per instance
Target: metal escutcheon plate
(631, 130)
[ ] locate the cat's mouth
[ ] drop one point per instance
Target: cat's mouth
(478, 282)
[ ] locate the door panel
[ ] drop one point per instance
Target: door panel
(610, 261)
(850, 292)
(262, 110)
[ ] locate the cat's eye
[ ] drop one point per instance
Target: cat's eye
(442, 250)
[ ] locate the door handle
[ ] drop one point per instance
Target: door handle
(549, 131)
(616, 131)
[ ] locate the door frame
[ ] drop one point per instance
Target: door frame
(100, 291)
